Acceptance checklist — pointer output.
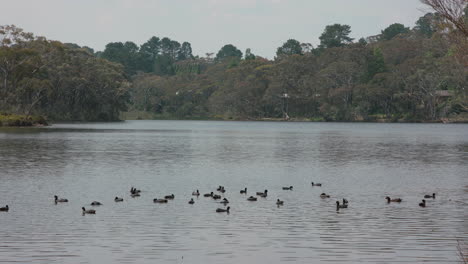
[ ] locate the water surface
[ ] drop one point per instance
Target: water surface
(360, 162)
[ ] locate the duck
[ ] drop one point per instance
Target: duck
(135, 195)
(224, 201)
(117, 199)
(216, 196)
(288, 188)
(220, 189)
(279, 202)
(430, 196)
(96, 203)
(208, 194)
(264, 194)
(252, 199)
(90, 211)
(423, 203)
(339, 206)
(316, 184)
(395, 200)
(324, 195)
(260, 193)
(169, 197)
(197, 193)
(345, 201)
(244, 191)
(62, 200)
(221, 210)
(156, 200)
(134, 190)
(191, 201)
(4, 209)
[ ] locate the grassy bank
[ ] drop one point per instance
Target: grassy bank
(12, 120)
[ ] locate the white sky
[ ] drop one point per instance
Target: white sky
(262, 25)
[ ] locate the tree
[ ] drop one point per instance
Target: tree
(336, 35)
(185, 52)
(290, 47)
(427, 24)
(249, 55)
(125, 54)
(394, 30)
(228, 51)
(149, 51)
(453, 11)
(376, 64)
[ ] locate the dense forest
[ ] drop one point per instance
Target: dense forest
(402, 74)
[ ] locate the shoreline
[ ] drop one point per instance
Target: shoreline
(13, 120)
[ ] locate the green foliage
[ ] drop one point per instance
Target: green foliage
(249, 55)
(394, 30)
(62, 82)
(228, 51)
(376, 64)
(427, 24)
(336, 35)
(290, 47)
(411, 78)
(21, 120)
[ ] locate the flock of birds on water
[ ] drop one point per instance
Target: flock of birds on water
(134, 192)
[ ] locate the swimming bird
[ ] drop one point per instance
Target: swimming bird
(279, 202)
(208, 194)
(216, 196)
(345, 201)
(430, 196)
(96, 203)
(395, 200)
(221, 210)
(324, 195)
(316, 184)
(338, 205)
(170, 197)
(288, 188)
(135, 195)
(197, 193)
(252, 199)
(117, 199)
(90, 211)
(191, 201)
(244, 191)
(423, 204)
(134, 190)
(224, 201)
(62, 200)
(4, 209)
(155, 200)
(264, 194)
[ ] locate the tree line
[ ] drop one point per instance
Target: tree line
(409, 74)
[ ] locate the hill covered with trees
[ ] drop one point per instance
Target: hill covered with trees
(402, 74)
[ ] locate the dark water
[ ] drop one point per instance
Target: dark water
(361, 162)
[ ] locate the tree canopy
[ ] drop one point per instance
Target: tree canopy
(228, 51)
(290, 47)
(335, 35)
(394, 30)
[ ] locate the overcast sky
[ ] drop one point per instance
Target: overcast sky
(262, 25)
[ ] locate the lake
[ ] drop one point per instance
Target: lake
(361, 162)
